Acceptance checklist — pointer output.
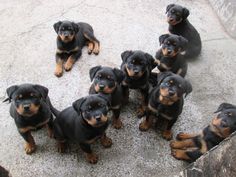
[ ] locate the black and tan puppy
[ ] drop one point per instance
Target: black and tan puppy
(137, 66)
(84, 122)
(70, 41)
(166, 102)
(108, 80)
(190, 147)
(31, 110)
(168, 58)
(179, 25)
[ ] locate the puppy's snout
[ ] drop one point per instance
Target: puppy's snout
(171, 19)
(101, 86)
(171, 93)
(169, 51)
(26, 107)
(136, 71)
(98, 118)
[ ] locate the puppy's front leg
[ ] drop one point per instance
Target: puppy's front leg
(59, 66)
(90, 156)
(72, 59)
(30, 146)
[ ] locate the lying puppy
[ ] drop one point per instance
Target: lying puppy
(178, 24)
(31, 110)
(137, 67)
(166, 102)
(190, 147)
(108, 81)
(168, 58)
(70, 41)
(83, 123)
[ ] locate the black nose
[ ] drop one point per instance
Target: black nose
(136, 72)
(26, 107)
(101, 87)
(171, 19)
(171, 93)
(169, 51)
(98, 118)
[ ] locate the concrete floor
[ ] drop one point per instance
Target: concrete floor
(27, 49)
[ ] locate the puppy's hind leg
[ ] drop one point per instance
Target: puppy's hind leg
(92, 39)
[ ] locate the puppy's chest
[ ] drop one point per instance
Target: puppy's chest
(136, 83)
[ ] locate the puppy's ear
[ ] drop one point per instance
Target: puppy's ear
(185, 13)
(188, 87)
(76, 27)
(119, 75)
(169, 6)
(163, 37)
(151, 61)
(93, 71)
(162, 75)
(224, 106)
(78, 103)
(42, 90)
(126, 54)
(183, 42)
(56, 26)
(106, 97)
(10, 91)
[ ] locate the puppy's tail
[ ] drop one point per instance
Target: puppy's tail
(52, 108)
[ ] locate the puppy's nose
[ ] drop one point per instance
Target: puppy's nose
(171, 19)
(169, 51)
(98, 118)
(101, 87)
(136, 72)
(171, 93)
(26, 107)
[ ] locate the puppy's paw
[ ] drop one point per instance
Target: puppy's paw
(68, 66)
(117, 124)
(179, 154)
(30, 148)
(96, 49)
(182, 136)
(61, 147)
(174, 144)
(167, 134)
(144, 126)
(58, 72)
(106, 142)
(92, 158)
(90, 48)
(140, 112)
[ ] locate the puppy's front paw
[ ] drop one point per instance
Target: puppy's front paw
(30, 148)
(174, 144)
(92, 158)
(61, 147)
(106, 142)
(58, 72)
(167, 134)
(96, 48)
(117, 124)
(179, 154)
(140, 112)
(144, 126)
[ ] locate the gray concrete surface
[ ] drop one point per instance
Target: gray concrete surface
(226, 11)
(27, 55)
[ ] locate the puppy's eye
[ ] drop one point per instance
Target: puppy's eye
(19, 97)
(133, 61)
(230, 114)
(180, 86)
(172, 11)
(174, 44)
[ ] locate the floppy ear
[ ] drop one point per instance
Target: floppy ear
(56, 26)
(42, 90)
(183, 42)
(169, 6)
(75, 26)
(10, 91)
(185, 13)
(163, 37)
(119, 75)
(126, 54)
(188, 87)
(224, 106)
(106, 97)
(151, 60)
(162, 75)
(93, 71)
(78, 103)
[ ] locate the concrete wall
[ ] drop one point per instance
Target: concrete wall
(219, 162)
(226, 11)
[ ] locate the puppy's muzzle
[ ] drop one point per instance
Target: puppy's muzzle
(101, 87)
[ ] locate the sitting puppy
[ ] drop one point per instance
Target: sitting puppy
(179, 25)
(137, 67)
(84, 122)
(168, 58)
(166, 102)
(108, 81)
(70, 41)
(190, 147)
(31, 110)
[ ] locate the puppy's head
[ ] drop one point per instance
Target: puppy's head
(66, 30)
(105, 79)
(27, 98)
(93, 108)
(176, 14)
(173, 86)
(137, 62)
(225, 121)
(172, 44)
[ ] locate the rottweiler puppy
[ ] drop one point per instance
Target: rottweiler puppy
(190, 147)
(108, 80)
(70, 41)
(137, 66)
(165, 102)
(179, 25)
(84, 122)
(31, 110)
(168, 58)
(4, 172)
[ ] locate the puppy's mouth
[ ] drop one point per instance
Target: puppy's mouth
(168, 53)
(166, 95)
(134, 73)
(173, 22)
(220, 127)
(66, 38)
(28, 110)
(104, 89)
(97, 121)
